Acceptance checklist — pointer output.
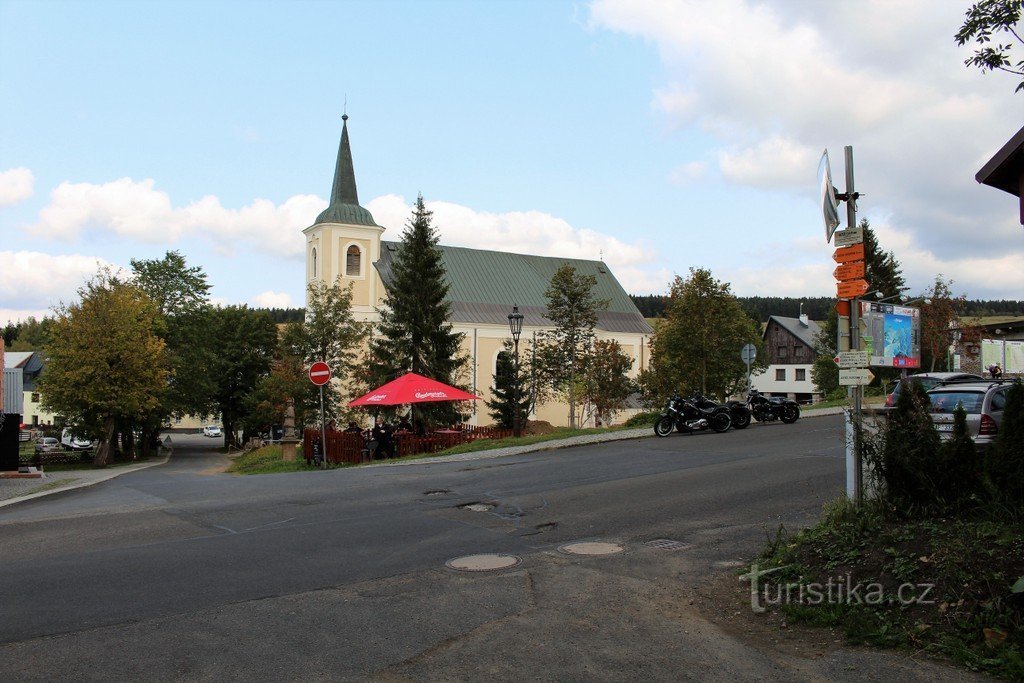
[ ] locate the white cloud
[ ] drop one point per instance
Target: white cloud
(775, 81)
(773, 163)
(272, 300)
(527, 232)
(15, 315)
(137, 210)
(15, 186)
(37, 281)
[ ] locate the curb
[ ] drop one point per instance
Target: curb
(92, 481)
(641, 433)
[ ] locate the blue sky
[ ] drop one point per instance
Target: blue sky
(657, 135)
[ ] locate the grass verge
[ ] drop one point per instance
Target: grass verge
(268, 460)
(943, 585)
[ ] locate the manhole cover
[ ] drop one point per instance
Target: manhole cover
(591, 548)
(668, 544)
(477, 507)
(437, 492)
(483, 563)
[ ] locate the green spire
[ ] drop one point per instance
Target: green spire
(344, 207)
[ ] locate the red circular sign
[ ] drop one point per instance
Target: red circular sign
(320, 373)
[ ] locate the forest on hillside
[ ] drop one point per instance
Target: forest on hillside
(816, 307)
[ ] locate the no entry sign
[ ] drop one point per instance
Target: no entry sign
(320, 373)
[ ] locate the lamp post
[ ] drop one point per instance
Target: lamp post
(515, 326)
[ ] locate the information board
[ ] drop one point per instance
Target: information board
(891, 334)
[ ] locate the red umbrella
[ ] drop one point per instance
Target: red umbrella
(411, 388)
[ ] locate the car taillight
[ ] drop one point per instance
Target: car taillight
(890, 401)
(988, 426)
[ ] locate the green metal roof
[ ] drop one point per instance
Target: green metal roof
(484, 285)
(344, 207)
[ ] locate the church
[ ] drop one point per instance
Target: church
(345, 243)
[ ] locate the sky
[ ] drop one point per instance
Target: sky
(656, 135)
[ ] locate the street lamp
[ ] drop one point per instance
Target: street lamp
(515, 326)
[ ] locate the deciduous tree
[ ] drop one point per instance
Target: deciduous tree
(572, 308)
(106, 362)
(987, 19)
(606, 382)
(697, 347)
(940, 312)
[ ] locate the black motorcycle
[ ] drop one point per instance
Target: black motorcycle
(770, 408)
(683, 415)
(738, 411)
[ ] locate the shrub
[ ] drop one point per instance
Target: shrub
(643, 419)
(906, 461)
(1004, 462)
(960, 465)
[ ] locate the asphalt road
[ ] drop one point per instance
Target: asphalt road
(181, 572)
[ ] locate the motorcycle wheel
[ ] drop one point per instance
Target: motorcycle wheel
(740, 419)
(720, 422)
(790, 414)
(663, 427)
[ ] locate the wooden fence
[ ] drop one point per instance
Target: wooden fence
(354, 448)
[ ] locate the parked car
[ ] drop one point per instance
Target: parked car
(929, 380)
(73, 443)
(47, 444)
(982, 401)
(212, 430)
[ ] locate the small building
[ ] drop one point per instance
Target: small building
(789, 343)
(22, 370)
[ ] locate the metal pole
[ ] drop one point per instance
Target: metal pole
(517, 427)
(323, 427)
(858, 390)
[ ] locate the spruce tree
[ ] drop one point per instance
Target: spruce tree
(882, 271)
(414, 334)
(508, 385)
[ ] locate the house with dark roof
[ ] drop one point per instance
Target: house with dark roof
(346, 243)
(789, 343)
(21, 376)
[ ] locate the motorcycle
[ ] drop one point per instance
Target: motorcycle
(686, 417)
(767, 409)
(739, 413)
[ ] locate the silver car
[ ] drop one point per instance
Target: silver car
(982, 401)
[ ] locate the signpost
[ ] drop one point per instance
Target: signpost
(850, 285)
(851, 289)
(748, 354)
(849, 237)
(848, 254)
(849, 271)
(319, 375)
(856, 377)
(852, 359)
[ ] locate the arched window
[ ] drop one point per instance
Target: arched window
(312, 272)
(353, 261)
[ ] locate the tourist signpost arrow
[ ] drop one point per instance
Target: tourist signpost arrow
(857, 377)
(852, 359)
(320, 374)
(851, 289)
(848, 254)
(849, 271)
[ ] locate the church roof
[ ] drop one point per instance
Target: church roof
(344, 206)
(485, 284)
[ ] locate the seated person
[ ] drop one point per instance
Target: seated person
(353, 428)
(382, 435)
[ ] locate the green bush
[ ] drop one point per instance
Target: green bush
(643, 419)
(1004, 463)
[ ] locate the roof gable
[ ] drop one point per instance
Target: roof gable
(805, 333)
(483, 286)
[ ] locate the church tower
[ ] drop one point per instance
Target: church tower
(344, 242)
